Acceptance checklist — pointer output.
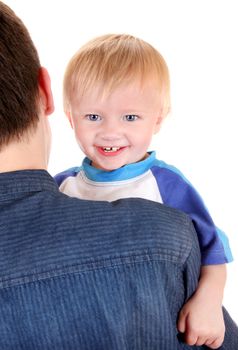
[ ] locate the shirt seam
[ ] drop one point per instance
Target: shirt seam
(106, 263)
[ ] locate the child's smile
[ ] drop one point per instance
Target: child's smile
(110, 151)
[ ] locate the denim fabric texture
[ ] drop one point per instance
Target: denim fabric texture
(77, 274)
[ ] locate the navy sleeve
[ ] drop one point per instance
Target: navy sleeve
(177, 192)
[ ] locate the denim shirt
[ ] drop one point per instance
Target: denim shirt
(77, 274)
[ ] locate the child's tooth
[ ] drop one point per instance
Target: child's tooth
(111, 149)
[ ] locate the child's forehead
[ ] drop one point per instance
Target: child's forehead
(131, 94)
(105, 88)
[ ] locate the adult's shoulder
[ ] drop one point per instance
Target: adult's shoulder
(135, 224)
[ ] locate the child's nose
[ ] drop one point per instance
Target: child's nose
(111, 131)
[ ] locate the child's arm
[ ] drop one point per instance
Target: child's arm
(201, 318)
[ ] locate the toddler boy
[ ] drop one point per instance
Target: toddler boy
(116, 96)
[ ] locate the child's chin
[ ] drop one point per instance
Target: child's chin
(103, 168)
(110, 168)
(107, 167)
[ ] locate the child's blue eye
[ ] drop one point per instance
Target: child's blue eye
(130, 117)
(93, 117)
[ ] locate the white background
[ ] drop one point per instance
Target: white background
(199, 40)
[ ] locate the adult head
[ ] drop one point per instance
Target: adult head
(25, 94)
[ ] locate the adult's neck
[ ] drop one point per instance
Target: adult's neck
(31, 152)
(21, 156)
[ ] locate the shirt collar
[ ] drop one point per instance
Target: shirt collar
(124, 173)
(26, 181)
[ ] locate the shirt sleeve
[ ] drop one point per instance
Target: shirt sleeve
(177, 192)
(61, 177)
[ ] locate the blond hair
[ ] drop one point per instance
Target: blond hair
(112, 60)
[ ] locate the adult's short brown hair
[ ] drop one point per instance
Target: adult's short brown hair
(19, 68)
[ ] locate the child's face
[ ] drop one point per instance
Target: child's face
(118, 129)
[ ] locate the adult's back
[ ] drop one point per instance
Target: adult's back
(75, 275)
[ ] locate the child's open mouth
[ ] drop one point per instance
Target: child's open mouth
(110, 151)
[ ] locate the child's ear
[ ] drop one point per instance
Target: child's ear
(158, 124)
(69, 116)
(46, 96)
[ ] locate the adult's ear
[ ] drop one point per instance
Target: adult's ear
(46, 96)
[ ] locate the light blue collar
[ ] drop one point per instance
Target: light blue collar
(124, 173)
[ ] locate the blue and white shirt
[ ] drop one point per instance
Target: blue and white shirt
(154, 180)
